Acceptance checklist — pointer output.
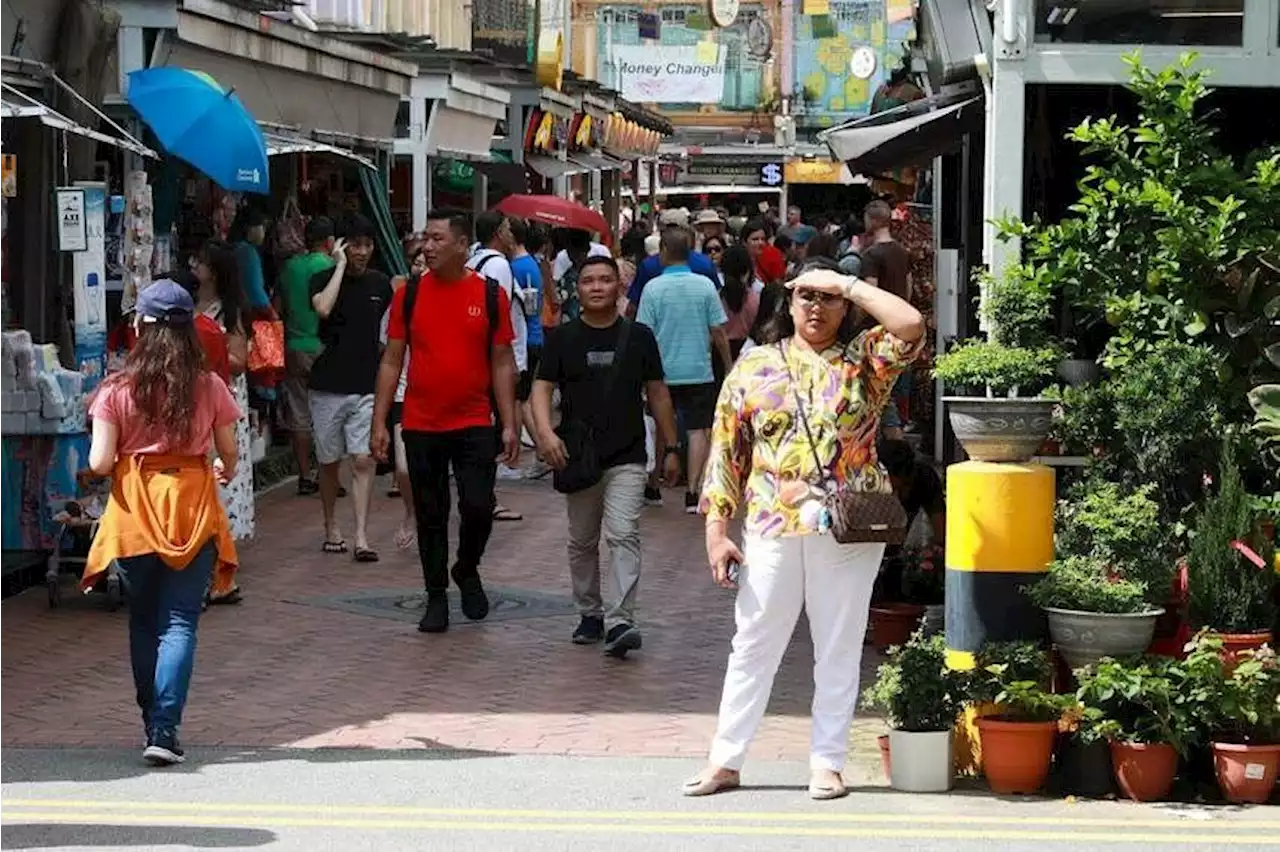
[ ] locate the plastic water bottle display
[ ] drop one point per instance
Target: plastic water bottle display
(93, 312)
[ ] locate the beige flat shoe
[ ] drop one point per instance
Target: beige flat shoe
(710, 782)
(827, 785)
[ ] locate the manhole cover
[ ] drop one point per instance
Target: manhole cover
(407, 605)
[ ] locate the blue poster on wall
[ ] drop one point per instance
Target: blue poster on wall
(89, 269)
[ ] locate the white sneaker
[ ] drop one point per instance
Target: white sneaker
(505, 472)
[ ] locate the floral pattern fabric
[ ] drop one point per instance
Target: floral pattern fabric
(237, 495)
(761, 458)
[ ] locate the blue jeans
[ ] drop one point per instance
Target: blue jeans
(164, 610)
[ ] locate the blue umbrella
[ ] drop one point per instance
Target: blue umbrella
(197, 120)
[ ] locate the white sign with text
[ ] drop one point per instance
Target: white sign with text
(671, 75)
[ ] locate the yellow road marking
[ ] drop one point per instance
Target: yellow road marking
(1217, 824)
(193, 819)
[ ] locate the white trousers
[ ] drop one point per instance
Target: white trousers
(832, 583)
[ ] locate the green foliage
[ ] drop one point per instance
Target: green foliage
(1123, 530)
(999, 664)
(1265, 401)
(915, 689)
(1018, 308)
(1027, 701)
(983, 363)
(923, 574)
(1085, 583)
(1087, 420)
(1140, 700)
(1228, 593)
(1241, 706)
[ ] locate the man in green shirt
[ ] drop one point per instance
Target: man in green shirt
(302, 341)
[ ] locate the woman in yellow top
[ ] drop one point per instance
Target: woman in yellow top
(763, 462)
(153, 425)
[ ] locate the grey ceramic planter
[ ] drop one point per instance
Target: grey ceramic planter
(1079, 371)
(1000, 429)
(1086, 637)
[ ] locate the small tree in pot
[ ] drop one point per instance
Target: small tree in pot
(921, 698)
(1018, 740)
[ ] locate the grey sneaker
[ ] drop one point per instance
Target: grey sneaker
(620, 639)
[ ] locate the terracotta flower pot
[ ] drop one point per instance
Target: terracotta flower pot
(1016, 755)
(893, 623)
(1144, 771)
(883, 740)
(1233, 644)
(1246, 773)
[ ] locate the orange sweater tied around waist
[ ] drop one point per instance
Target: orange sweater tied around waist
(167, 505)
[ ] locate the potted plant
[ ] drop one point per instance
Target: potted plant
(1007, 423)
(921, 698)
(1231, 583)
(1242, 704)
(1083, 765)
(1018, 738)
(1093, 610)
(1142, 707)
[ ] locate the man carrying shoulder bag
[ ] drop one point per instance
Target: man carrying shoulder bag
(604, 366)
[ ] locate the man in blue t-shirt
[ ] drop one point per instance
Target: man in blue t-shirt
(651, 267)
(529, 239)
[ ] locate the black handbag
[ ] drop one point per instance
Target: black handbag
(853, 516)
(582, 470)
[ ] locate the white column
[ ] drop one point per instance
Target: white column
(421, 162)
(1006, 130)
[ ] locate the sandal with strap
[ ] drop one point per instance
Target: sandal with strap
(710, 782)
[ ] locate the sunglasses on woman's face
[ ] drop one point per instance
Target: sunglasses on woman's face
(715, 249)
(809, 298)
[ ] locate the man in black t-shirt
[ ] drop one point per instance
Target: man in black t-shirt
(602, 390)
(886, 264)
(350, 300)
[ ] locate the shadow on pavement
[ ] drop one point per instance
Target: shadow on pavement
(45, 836)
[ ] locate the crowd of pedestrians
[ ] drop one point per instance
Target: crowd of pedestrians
(752, 363)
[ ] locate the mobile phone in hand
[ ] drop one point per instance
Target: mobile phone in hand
(732, 571)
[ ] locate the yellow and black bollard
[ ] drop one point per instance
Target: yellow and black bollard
(999, 539)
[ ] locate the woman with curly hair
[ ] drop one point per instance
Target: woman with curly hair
(154, 424)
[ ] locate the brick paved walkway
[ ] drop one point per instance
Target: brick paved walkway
(285, 670)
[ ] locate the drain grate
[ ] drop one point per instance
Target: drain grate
(505, 604)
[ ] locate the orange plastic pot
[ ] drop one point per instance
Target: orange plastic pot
(1144, 771)
(893, 623)
(883, 740)
(1016, 755)
(1246, 773)
(1233, 644)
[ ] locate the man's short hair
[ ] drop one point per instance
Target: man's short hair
(536, 236)
(358, 226)
(459, 223)
(319, 231)
(578, 240)
(488, 224)
(599, 260)
(519, 230)
(675, 244)
(879, 212)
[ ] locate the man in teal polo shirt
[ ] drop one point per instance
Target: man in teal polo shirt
(684, 311)
(302, 341)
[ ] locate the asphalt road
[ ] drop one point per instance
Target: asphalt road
(68, 799)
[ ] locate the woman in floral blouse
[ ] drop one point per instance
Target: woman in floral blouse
(762, 462)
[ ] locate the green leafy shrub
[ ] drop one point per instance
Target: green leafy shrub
(1085, 584)
(1017, 307)
(1140, 700)
(915, 689)
(1123, 529)
(998, 664)
(980, 364)
(1240, 706)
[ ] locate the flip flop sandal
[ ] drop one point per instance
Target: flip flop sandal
(824, 791)
(502, 513)
(232, 597)
(404, 540)
(364, 554)
(710, 784)
(335, 546)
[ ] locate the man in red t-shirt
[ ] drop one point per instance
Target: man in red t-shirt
(460, 365)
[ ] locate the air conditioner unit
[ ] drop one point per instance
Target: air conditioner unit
(952, 32)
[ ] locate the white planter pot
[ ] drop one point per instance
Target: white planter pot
(920, 762)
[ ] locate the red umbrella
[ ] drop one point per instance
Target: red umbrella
(556, 211)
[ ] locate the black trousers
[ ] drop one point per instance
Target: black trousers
(472, 454)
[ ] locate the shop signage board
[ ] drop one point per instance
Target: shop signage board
(813, 171)
(69, 208)
(502, 29)
(89, 272)
(652, 74)
(771, 174)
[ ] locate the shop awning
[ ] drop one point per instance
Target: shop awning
(508, 177)
(551, 168)
(283, 143)
(15, 103)
(908, 136)
(591, 160)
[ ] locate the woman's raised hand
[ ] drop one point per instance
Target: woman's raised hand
(824, 281)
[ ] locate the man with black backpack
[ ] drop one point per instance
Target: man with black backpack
(457, 326)
(604, 366)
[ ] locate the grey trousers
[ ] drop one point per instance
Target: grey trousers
(611, 506)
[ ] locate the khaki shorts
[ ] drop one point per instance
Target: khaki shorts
(295, 404)
(343, 423)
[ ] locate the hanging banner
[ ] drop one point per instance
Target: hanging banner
(89, 270)
(664, 75)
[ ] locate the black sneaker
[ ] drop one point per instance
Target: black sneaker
(475, 603)
(652, 496)
(342, 491)
(436, 617)
(163, 751)
(590, 630)
(621, 639)
(307, 487)
(690, 503)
